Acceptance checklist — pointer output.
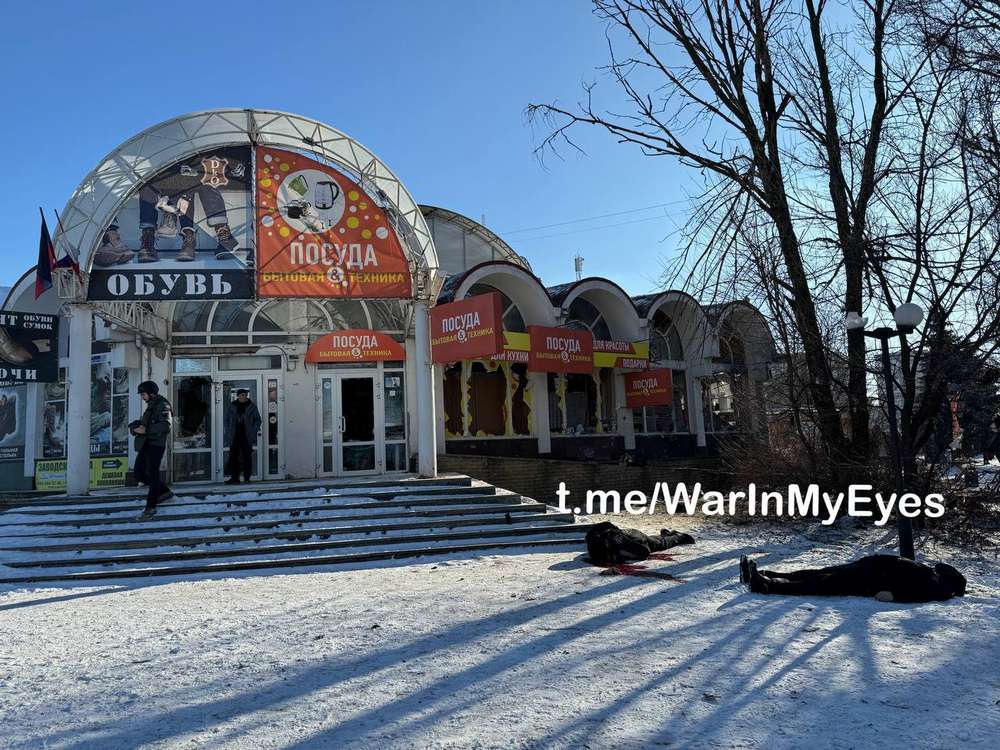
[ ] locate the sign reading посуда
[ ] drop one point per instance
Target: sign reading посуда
(355, 345)
(471, 328)
(560, 350)
(650, 388)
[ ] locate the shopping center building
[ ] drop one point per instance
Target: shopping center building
(255, 249)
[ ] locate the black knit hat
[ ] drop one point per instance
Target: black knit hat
(149, 387)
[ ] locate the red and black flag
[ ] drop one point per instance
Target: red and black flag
(46, 260)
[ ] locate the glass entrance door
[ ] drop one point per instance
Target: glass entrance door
(193, 428)
(351, 424)
(228, 398)
(266, 445)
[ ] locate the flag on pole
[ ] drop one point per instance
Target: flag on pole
(46, 260)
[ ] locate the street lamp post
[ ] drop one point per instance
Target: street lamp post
(907, 317)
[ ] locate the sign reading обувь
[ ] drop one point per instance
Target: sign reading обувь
(165, 285)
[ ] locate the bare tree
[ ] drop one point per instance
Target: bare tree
(813, 122)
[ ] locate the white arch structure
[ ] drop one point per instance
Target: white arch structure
(104, 191)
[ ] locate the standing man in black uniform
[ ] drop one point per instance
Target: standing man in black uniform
(151, 433)
(242, 424)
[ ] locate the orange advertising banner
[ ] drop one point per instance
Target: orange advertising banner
(471, 328)
(653, 387)
(560, 350)
(319, 234)
(355, 345)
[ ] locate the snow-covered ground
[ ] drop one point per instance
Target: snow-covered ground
(505, 651)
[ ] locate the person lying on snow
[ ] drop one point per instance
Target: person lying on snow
(885, 577)
(609, 545)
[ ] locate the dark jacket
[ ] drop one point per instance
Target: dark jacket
(251, 421)
(158, 420)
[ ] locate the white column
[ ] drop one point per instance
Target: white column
(626, 426)
(78, 406)
(539, 382)
(426, 434)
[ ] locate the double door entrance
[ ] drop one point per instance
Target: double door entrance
(203, 434)
(359, 425)
(361, 422)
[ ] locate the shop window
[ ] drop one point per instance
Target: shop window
(584, 316)
(453, 400)
(192, 412)
(395, 412)
(386, 315)
(347, 314)
(581, 404)
(519, 406)
(497, 399)
(487, 399)
(192, 364)
(316, 318)
(665, 419)
(54, 418)
(119, 411)
(664, 341)
(680, 405)
(512, 318)
(251, 362)
(232, 317)
(274, 317)
(191, 317)
(100, 405)
(557, 393)
(718, 396)
(609, 417)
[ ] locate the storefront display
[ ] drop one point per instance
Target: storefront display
(186, 233)
(265, 251)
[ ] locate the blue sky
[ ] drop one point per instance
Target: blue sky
(437, 89)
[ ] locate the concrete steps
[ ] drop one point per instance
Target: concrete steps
(66, 539)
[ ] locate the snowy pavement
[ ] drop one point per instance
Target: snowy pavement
(505, 651)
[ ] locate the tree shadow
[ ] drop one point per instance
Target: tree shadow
(412, 708)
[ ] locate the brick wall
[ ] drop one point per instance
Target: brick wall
(539, 477)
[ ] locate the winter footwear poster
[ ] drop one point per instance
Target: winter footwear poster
(12, 408)
(321, 235)
(28, 348)
(185, 234)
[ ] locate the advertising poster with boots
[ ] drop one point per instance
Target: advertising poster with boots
(187, 233)
(28, 348)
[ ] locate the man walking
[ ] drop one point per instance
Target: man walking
(242, 425)
(151, 433)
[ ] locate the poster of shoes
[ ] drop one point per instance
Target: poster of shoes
(320, 234)
(187, 233)
(28, 348)
(12, 408)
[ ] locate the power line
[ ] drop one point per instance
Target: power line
(593, 229)
(594, 218)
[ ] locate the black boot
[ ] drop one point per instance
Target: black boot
(147, 246)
